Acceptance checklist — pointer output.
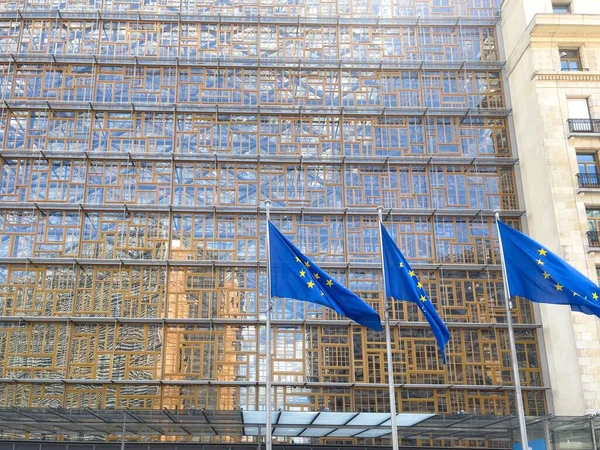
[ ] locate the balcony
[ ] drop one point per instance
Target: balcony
(593, 239)
(584, 125)
(588, 180)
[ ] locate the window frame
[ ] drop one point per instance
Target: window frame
(556, 8)
(572, 58)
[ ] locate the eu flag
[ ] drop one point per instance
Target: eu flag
(401, 283)
(293, 275)
(534, 272)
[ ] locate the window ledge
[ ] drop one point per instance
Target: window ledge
(583, 135)
(588, 191)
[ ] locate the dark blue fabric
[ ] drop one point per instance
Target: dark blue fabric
(401, 283)
(293, 275)
(534, 272)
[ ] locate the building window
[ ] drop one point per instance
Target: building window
(569, 59)
(587, 170)
(561, 8)
(593, 216)
(579, 117)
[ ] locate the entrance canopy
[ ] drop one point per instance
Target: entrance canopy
(89, 424)
(328, 424)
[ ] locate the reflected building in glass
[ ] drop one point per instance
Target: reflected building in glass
(139, 140)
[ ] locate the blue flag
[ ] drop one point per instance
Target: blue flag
(401, 283)
(534, 272)
(293, 275)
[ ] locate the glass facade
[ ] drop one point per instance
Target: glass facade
(139, 140)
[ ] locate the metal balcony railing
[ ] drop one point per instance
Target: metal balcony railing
(593, 238)
(588, 180)
(584, 125)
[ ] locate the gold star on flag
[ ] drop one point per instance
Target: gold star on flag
(558, 287)
(302, 273)
(307, 264)
(540, 262)
(329, 283)
(575, 294)
(419, 285)
(311, 284)
(542, 252)
(322, 294)
(401, 264)
(423, 298)
(317, 276)
(411, 273)
(546, 275)
(595, 296)
(298, 259)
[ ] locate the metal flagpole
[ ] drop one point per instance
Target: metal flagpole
(513, 348)
(269, 443)
(388, 343)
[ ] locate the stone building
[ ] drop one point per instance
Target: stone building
(553, 70)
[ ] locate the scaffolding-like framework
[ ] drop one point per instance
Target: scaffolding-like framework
(138, 142)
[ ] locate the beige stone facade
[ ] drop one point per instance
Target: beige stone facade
(536, 42)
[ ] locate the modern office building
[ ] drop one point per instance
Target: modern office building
(139, 141)
(554, 76)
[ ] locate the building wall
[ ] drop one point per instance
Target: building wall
(139, 141)
(556, 209)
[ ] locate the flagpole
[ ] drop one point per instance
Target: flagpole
(513, 348)
(269, 442)
(388, 342)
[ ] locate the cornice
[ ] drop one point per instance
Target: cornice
(567, 76)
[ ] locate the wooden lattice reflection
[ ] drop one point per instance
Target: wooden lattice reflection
(316, 135)
(137, 146)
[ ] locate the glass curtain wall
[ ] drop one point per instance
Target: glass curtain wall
(138, 141)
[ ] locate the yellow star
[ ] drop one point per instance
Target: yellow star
(558, 287)
(542, 252)
(311, 284)
(575, 294)
(298, 259)
(329, 283)
(317, 276)
(322, 294)
(540, 262)
(423, 298)
(595, 296)
(546, 275)
(411, 273)
(307, 264)
(419, 285)
(302, 273)
(401, 264)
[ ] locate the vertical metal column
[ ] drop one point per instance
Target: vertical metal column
(268, 443)
(513, 348)
(388, 342)
(124, 431)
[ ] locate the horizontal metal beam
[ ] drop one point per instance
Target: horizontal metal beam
(215, 159)
(257, 62)
(461, 387)
(178, 322)
(229, 264)
(175, 17)
(227, 108)
(276, 209)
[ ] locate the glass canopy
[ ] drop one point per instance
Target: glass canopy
(331, 424)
